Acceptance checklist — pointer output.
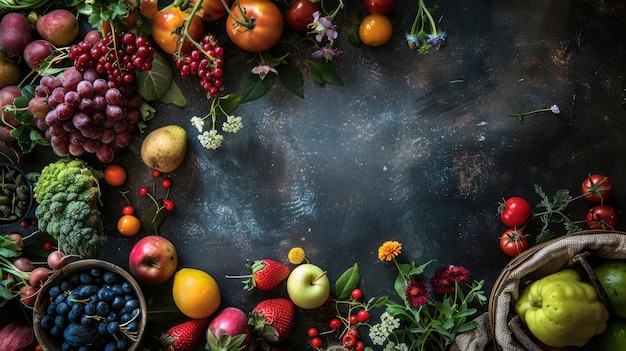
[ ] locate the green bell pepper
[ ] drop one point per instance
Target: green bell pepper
(562, 310)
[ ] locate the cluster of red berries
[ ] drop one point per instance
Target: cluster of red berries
(128, 224)
(206, 63)
(346, 327)
(28, 222)
(115, 56)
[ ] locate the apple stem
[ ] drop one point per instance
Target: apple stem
(316, 279)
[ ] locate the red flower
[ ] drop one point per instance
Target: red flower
(416, 293)
(444, 281)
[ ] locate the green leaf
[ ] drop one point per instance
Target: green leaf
(174, 95)
(228, 103)
(161, 306)
(353, 31)
(471, 325)
(347, 281)
(155, 83)
(8, 247)
(381, 301)
(256, 87)
(291, 77)
(153, 216)
(323, 72)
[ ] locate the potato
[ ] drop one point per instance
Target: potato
(164, 148)
(60, 27)
(15, 33)
(9, 71)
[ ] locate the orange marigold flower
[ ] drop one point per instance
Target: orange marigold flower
(389, 250)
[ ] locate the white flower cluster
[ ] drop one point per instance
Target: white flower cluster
(211, 139)
(379, 333)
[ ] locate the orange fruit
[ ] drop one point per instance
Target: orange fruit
(195, 293)
(114, 175)
(128, 225)
(375, 30)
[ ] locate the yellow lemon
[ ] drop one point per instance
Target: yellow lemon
(195, 293)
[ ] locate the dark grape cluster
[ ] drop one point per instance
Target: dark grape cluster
(88, 114)
(115, 56)
(94, 309)
(206, 64)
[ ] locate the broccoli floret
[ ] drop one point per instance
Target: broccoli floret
(67, 193)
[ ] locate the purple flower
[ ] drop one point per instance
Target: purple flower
(437, 40)
(413, 40)
(416, 293)
(323, 26)
(444, 281)
(327, 52)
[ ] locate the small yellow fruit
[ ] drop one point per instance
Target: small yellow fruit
(195, 293)
(164, 148)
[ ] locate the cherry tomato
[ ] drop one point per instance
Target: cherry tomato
(381, 7)
(210, 10)
(169, 205)
(114, 175)
(515, 212)
(357, 294)
(363, 316)
(300, 15)
(513, 241)
(166, 26)
(312, 332)
(375, 30)
(335, 324)
(128, 225)
(601, 217)
(258, 28)
(316, 342)
(597, 188)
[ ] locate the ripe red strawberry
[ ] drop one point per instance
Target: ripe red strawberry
(272, 319)
(266, 275)
(184, 336)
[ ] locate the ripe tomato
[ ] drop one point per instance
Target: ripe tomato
(300, 15)
(114, 175)
(513, 241)
(515, 211)
(597, 188)
(128, 225)
(167, 25)
(601, 217)
(258, 28)
(210, 10)
(381, 7)
(375, 30)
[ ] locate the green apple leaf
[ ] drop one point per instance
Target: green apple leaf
(348, 281)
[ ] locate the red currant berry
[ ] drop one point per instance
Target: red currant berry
(166, 183)
(143, 191)
(128, 210)
(312, 332)
(25, 223)
(335, 324)
(168, 204)
(47, 246)
(357, 294)
(353, 319)
(363, 316)
(360, 346)
(349, 340)
(156, 173)
(316, 342)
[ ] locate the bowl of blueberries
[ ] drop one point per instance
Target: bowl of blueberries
(90, 304)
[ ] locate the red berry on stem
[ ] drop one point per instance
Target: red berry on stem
(128, 210)
(143, 191)
(168, 204)
(47, 246)
(363, 316)
(360, 346)
(156, 173)
(166, 183)
(25, 223)
(357, 294)
(316, 342)
(353, 319)
(335, 324)
(312, 332)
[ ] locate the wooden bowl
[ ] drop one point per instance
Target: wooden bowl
(49, 342)
(18, 205)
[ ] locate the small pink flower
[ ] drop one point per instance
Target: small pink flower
(263, 70)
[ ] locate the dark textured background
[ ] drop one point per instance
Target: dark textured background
(414, 148)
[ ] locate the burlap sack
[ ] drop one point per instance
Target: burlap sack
(537, 262)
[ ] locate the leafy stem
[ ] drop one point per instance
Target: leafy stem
(519, 115)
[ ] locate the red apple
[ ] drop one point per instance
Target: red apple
(153, 260)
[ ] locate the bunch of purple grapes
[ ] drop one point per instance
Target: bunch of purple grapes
(88, 114)
(115, 56)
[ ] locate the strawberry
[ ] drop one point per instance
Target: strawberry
(272, 319)
(266, 275)
(184, 336)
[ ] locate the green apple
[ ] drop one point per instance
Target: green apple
(612, 277)
(308, 286)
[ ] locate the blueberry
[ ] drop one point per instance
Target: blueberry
(56, 331)
(110, 277)
(131, 305)
(51, 309)
(74, 280)
(117, 290)
(62, 308)
(86, 321)
(96, 272)
(113, 327)
(66, 347)
(118, 302)
(84, 348)
(90, 309)
(112, 316)
(60, 298)
(86, 278)
(46, 322)
(102, 328)
(111, 346)
(125, 317)
(132, 326)
(127, 288)
(122, 344)
(54, 291)
(61, 321)
(67, 285)
(102, 308)
(105, 294)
